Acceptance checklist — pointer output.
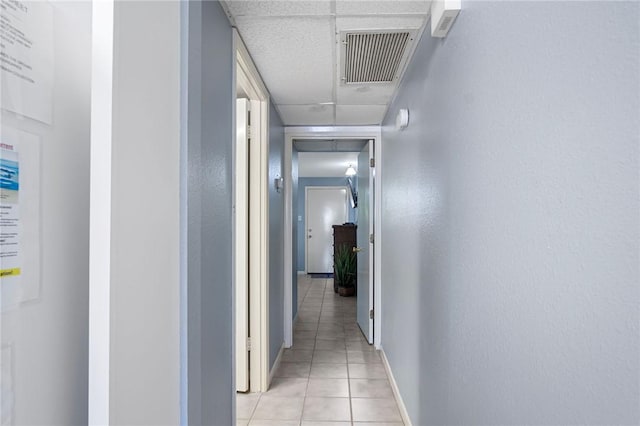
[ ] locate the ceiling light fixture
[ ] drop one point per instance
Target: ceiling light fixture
(350, 171)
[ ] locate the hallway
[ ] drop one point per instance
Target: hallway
(331, 376)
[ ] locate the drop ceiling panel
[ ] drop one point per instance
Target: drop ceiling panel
(325, 164)
(306, 115)
(382, 7)
(360, 114)
(295, 56)
(354, 94)
(278, 8)
(379, 23)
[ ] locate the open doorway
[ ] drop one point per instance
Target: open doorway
(305, 141)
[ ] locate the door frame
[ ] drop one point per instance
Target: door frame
(306, 214)
(248, 78)
(330, 132)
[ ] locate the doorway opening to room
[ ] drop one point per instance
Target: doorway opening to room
(318, 163)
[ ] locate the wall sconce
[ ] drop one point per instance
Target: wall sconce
(279, 183)
(402, 119)
(351, 171)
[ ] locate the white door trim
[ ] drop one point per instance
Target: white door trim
(241, 244)
(248, 78)
(333, 132)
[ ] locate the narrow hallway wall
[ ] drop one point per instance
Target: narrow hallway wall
(511, 218)
(276, 236)
(210, 96)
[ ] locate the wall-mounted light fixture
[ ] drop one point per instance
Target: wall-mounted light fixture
(402, 119)
(279, 183)
(351, 171)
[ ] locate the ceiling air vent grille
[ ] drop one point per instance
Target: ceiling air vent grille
(374, 57)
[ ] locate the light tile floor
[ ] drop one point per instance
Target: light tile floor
(330, 377)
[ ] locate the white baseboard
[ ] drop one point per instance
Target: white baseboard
(275, 365)
(396, 392)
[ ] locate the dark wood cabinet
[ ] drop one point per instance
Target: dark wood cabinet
(343, 235)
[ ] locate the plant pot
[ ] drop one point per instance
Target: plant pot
(346, 291)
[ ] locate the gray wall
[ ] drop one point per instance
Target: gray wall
(50, 338)
(276, 236)
(207, 248)
(511, 218)
(301, 211)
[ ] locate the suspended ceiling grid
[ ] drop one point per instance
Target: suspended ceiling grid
(295, 46)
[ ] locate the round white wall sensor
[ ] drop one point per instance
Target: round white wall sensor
(402, 119)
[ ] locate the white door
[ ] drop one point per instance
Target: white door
(325, 207)
(241, 251)
(365, 245)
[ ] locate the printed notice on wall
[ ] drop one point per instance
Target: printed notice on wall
(26, 58)
(19, 217)
(9, 211)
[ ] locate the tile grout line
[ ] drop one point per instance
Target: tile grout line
(304, 397)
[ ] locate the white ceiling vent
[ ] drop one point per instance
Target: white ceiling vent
(374, 56)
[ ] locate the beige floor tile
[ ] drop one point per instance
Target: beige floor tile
(246, 404)
(305, 326)
(293, 369)
(329, 409)
(297, 355)
(278, 408)
(312, 423)
(375, 410)
(304, 344)
(367, 371)
(334, 357)
(330, 344)
(288, 386)
(304, 335)
(328, 371)
(324, 322)
(329, 335)
(377, 424)
(308, 316)
(370, 388)
(360, 346)
(354, 335)
(364, 357)
(257, 422)
(330, 328)
(328, 387)
(242, 422)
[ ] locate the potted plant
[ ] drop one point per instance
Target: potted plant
(345, 270)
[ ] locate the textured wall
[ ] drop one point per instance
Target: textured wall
(210, 96)
(511, 218)
(276, 236)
